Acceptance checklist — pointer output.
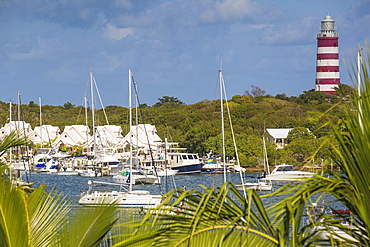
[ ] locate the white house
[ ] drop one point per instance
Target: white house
(73, 135)
(277, 136)
(107, 136)
(142, 136)
(44, 134)
(23, 128)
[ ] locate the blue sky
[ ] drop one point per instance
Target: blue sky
(174, 48)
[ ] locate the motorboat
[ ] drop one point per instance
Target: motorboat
(89, 173)
(106, 159)
(43, 156)
(47, 159)
(185, 163)
(211, 165)
(67, 172)
(286, 172)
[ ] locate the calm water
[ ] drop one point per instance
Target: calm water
(71, 186)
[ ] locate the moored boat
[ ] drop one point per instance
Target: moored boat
(185, 163)
(125, 199)
(286, 172)
(136, 177)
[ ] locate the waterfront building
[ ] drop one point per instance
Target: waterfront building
(44, 134)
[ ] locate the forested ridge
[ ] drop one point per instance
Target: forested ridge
(198, 126)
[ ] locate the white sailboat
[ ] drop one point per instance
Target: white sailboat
(127, 199)
(260, 185)
(124, 199)
(104, 161)
(223, 92)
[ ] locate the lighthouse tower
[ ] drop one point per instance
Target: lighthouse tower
(327, 64)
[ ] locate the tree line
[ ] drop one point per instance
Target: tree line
(198, 126)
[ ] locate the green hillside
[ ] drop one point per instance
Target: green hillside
(198, 126)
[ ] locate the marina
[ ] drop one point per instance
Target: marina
(73, 186)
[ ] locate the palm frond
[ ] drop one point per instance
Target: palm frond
(48, 212)
(10, 141)
(88, 226)
(14, 218)
(220, 213)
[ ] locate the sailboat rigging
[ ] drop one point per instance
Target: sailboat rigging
(262, 184)
(127, 199)
(223, 92)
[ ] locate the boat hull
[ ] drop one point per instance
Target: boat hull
(188, 169)
(286, 177)
(260, 186)
(212, 170)
(134, 199)
(164, 173)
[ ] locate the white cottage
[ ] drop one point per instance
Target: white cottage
(44, 134)
(23, 128)
(73, 135)
(277, 136)
(107, 136)
(143, 135)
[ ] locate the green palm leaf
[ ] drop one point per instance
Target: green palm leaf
(213, 216)
(48, 212)
(14, 217)
(89, 226)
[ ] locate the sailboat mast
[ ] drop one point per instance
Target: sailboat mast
(40, 121)
(19, 109)
(222, 122)
(137, 120)
(86, 121)
(93, 111)
(40, 111)
(10, 121)
(266, 161)
(130, 123)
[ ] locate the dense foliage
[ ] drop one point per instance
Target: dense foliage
(198, 126)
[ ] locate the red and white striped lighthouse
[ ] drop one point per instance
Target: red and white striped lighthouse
(327, 64)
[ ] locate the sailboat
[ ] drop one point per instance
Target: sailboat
(104, 161)
(222, 92)
(263, 184)
(126, 199)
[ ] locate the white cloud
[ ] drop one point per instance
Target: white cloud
(302, 32)
(42, 50)
(260, 26)
(124, 3)
(113, 33)
(227, 10)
